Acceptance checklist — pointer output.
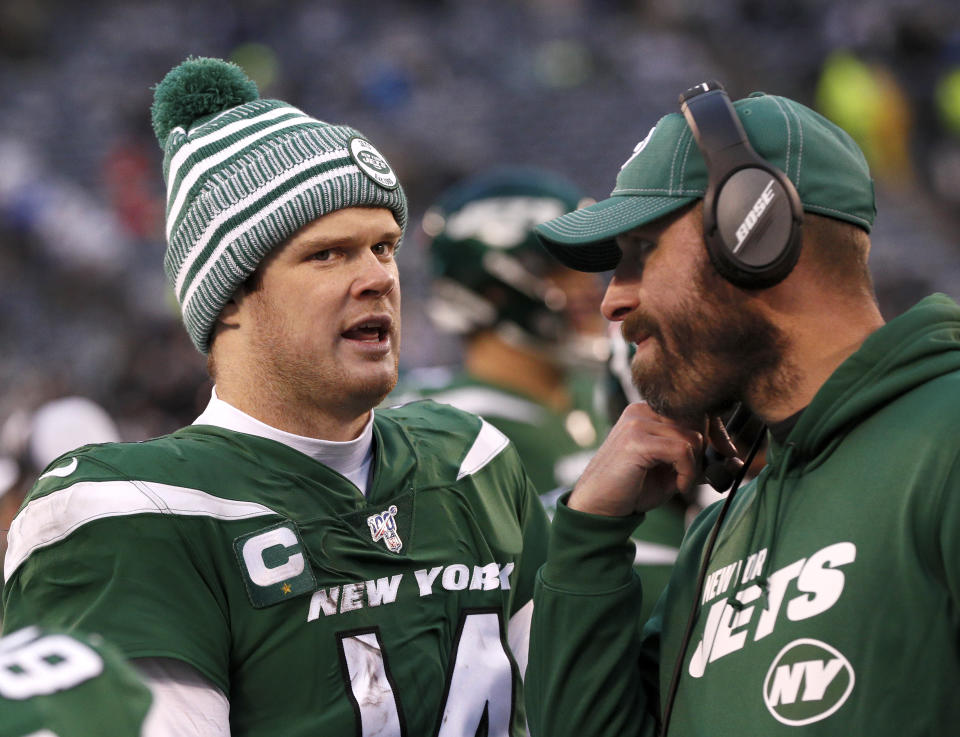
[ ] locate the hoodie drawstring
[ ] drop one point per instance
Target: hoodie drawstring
(771, 512)
(772, 523)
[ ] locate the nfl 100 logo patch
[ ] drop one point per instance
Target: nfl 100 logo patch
(383, 526)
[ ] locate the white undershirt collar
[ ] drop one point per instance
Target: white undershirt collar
(352, 458)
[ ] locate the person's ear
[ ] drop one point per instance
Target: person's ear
(230, 314)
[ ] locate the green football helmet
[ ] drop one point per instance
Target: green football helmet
(489, 270)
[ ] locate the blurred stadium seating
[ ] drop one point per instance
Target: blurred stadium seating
(445, 88)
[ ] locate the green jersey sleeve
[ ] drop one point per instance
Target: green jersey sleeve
(67, 685)
(140, 576)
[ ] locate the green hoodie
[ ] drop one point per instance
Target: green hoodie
(831, 599)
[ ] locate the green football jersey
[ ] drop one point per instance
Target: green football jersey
(317, 610)
(554, 446)
(54, 684)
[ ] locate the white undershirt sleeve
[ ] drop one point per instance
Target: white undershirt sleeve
(185, 703)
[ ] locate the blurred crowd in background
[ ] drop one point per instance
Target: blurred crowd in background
(444, 89)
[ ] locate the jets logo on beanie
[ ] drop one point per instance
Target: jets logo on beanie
(243, 174)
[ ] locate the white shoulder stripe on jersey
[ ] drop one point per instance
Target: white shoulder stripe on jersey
(490, 402)
(488, 445)
(54, 517)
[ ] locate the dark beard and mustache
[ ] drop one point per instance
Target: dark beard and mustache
(720, 351)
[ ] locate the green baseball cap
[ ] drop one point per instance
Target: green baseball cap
(667, 171)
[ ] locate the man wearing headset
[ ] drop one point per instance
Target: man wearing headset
(828, 590)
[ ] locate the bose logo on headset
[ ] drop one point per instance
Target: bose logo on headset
(751, 211)
(753, 217)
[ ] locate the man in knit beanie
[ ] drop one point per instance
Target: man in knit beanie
(292, 563)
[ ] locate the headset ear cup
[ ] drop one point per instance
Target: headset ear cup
(716, 249)
(751, 211)
(752, 227)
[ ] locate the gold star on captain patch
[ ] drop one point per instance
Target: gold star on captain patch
(285, 588)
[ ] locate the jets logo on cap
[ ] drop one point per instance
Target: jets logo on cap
(638, 148)
(372, 163)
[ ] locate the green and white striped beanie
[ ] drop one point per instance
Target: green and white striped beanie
(243, 174)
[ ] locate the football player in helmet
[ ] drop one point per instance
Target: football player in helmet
(533, 339)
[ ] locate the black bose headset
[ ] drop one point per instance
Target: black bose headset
(751, 211)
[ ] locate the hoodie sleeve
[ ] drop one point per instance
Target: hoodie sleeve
(588, 667)
(947, 523)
